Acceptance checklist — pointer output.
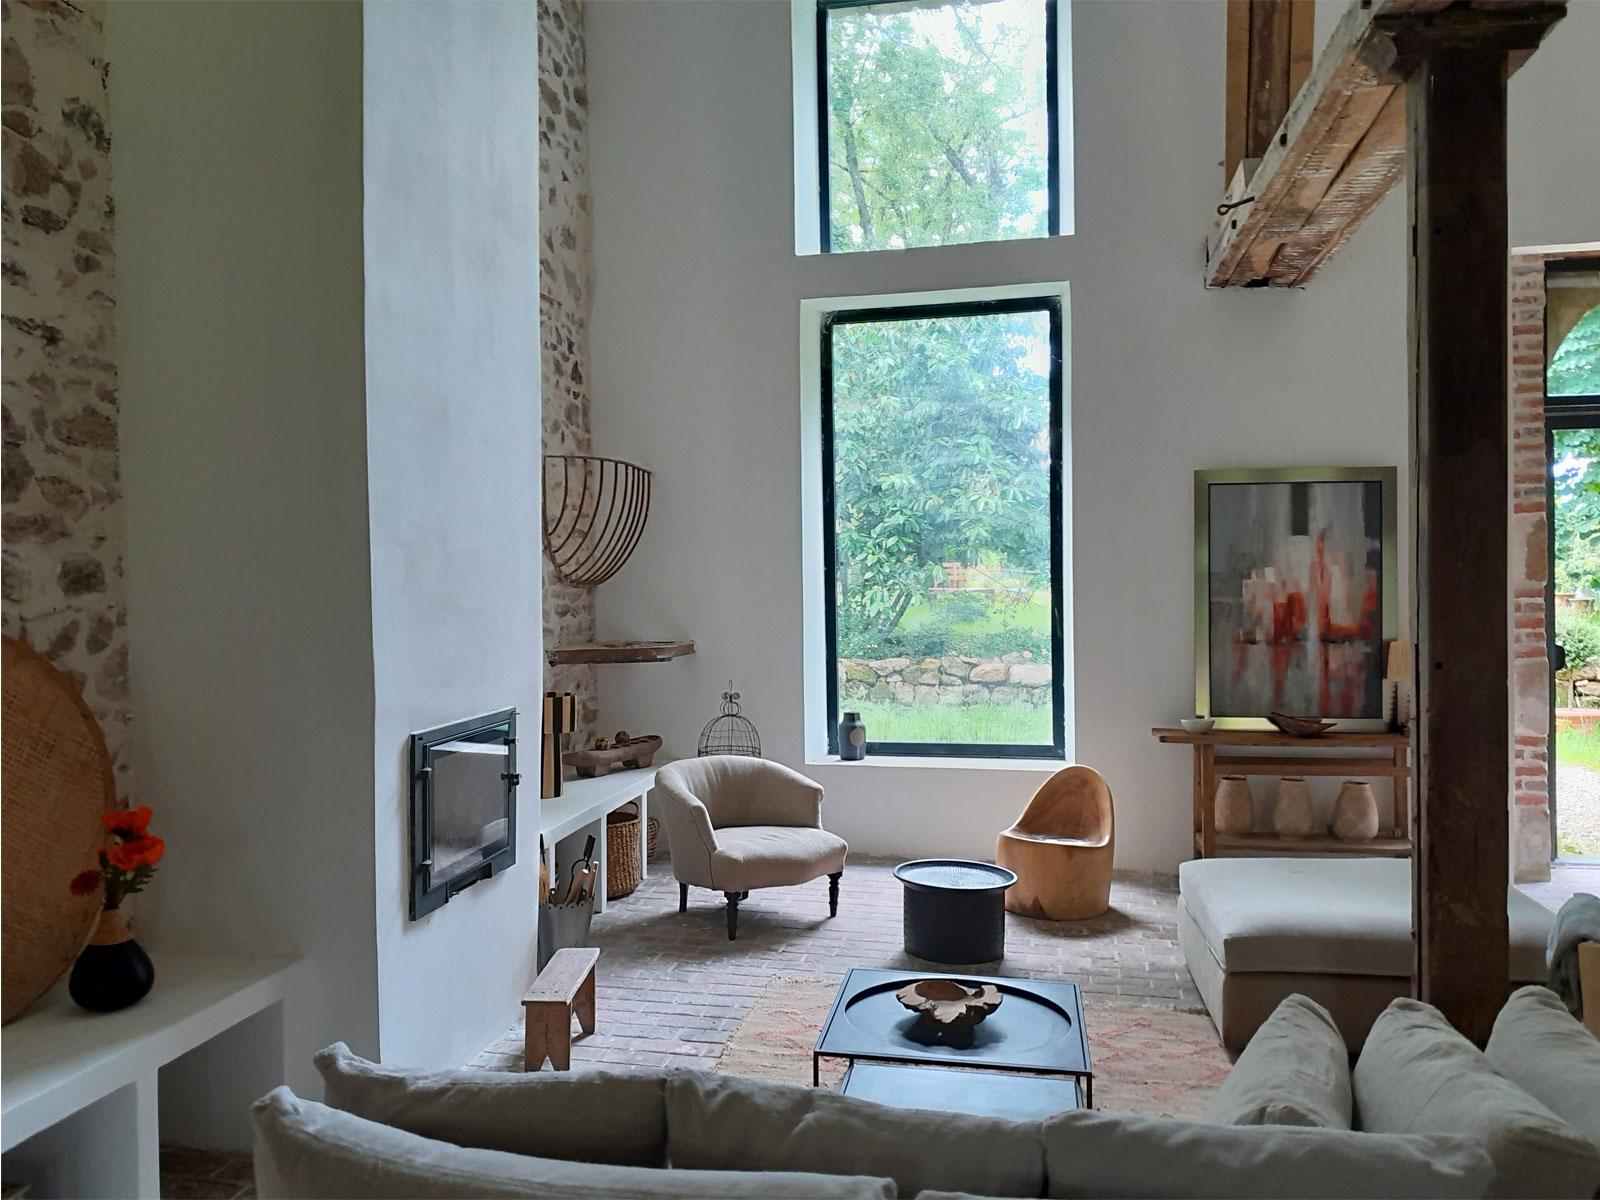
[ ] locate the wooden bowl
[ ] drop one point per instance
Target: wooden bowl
(948, 1004)
(633, 753)
(1300, 726)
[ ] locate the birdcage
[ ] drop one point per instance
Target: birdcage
(730, 732)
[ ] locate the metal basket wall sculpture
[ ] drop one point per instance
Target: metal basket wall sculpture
(730, 732)
(594, 511)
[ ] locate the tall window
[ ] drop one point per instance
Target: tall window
(942, 526)
(937, 122)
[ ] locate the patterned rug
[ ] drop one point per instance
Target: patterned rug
(1146, 1059)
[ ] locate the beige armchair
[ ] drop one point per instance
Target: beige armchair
(735, 824)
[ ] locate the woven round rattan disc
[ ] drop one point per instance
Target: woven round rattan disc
(58, 781)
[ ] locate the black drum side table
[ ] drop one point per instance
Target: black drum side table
(955, 909)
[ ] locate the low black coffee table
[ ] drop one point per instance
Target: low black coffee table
(1037, 1030)
(977, 1093)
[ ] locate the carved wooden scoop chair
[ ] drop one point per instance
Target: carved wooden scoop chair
(1061, 848)
(735, 824)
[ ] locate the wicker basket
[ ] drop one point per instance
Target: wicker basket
(624, 868)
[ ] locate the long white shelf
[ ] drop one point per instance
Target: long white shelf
(59, 1060)
(584, 803)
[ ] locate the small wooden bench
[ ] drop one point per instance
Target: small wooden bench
(564, 987)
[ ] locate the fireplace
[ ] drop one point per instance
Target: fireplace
(463, 806)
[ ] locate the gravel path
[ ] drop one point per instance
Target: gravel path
(1578, 809)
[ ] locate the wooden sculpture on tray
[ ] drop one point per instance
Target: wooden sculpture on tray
(1061, 848)
(594, 511)
(622, 750)
(949, 1004)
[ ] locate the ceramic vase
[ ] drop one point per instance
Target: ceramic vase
(1235, 813)
(852, 738)
(1292, 816)
(1355, 812)
(113, 971)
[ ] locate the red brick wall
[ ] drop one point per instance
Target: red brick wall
(1529, 572)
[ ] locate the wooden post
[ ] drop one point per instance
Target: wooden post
(1455, 69)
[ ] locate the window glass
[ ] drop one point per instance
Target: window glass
(939, 123)
(1575, 366)
(942, 426)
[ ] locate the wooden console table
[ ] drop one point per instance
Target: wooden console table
(1391, 761)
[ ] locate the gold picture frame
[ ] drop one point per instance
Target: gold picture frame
(1301, 632)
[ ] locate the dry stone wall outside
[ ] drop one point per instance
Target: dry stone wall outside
(63, 520)
(1014, 678)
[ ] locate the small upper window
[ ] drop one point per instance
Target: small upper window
(937, 122)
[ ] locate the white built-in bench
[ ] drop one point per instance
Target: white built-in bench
(79, 1107)
(581, 810)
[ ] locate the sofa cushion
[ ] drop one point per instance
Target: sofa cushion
(1104, 1154)
(1295, 1071)
(1416, 1074)
(1546, 1051)
(1329, 916)
(307, 1151)
(596, 1116)
(724, 1121)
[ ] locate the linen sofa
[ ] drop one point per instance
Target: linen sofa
(393, 1132)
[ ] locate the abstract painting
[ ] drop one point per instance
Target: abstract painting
(1295, 584)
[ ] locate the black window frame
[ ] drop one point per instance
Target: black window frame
(1052, 101)
(1051, 305)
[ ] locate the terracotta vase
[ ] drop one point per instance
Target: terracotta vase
(1292, 815)
(113, 971)
(1235, 811)
(1355, 812)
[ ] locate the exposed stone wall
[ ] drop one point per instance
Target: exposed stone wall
(1014, 678)
(63, 522)
(566, 274)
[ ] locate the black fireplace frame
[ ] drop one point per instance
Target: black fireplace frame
(428, 895)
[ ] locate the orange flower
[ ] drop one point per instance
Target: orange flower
(128, 823)
(85, 883)
(141, 852)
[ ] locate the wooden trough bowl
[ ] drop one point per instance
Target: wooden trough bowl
(1300, 726)
(635, 752)
(948, 1004)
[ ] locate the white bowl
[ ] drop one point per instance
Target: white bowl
(1197, 724)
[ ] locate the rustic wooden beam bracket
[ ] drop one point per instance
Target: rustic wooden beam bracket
(1341, 146)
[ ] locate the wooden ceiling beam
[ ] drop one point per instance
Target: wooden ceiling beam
(1340, 146)
(1269, 57)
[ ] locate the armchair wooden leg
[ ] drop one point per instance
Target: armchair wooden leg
(683, 897)
(733, 912)
(833, 893)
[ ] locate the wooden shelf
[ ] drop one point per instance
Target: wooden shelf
(619, 652)
(1241, 764)
(1322, 755)
(1272, 738)
(1264, 843)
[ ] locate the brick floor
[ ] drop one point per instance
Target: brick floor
(670, 987)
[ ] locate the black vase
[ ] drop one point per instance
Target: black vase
(852, 738)
(113, 971)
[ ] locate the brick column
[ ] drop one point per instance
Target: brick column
(1529, 574)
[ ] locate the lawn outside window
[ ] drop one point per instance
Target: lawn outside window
(942, 526)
